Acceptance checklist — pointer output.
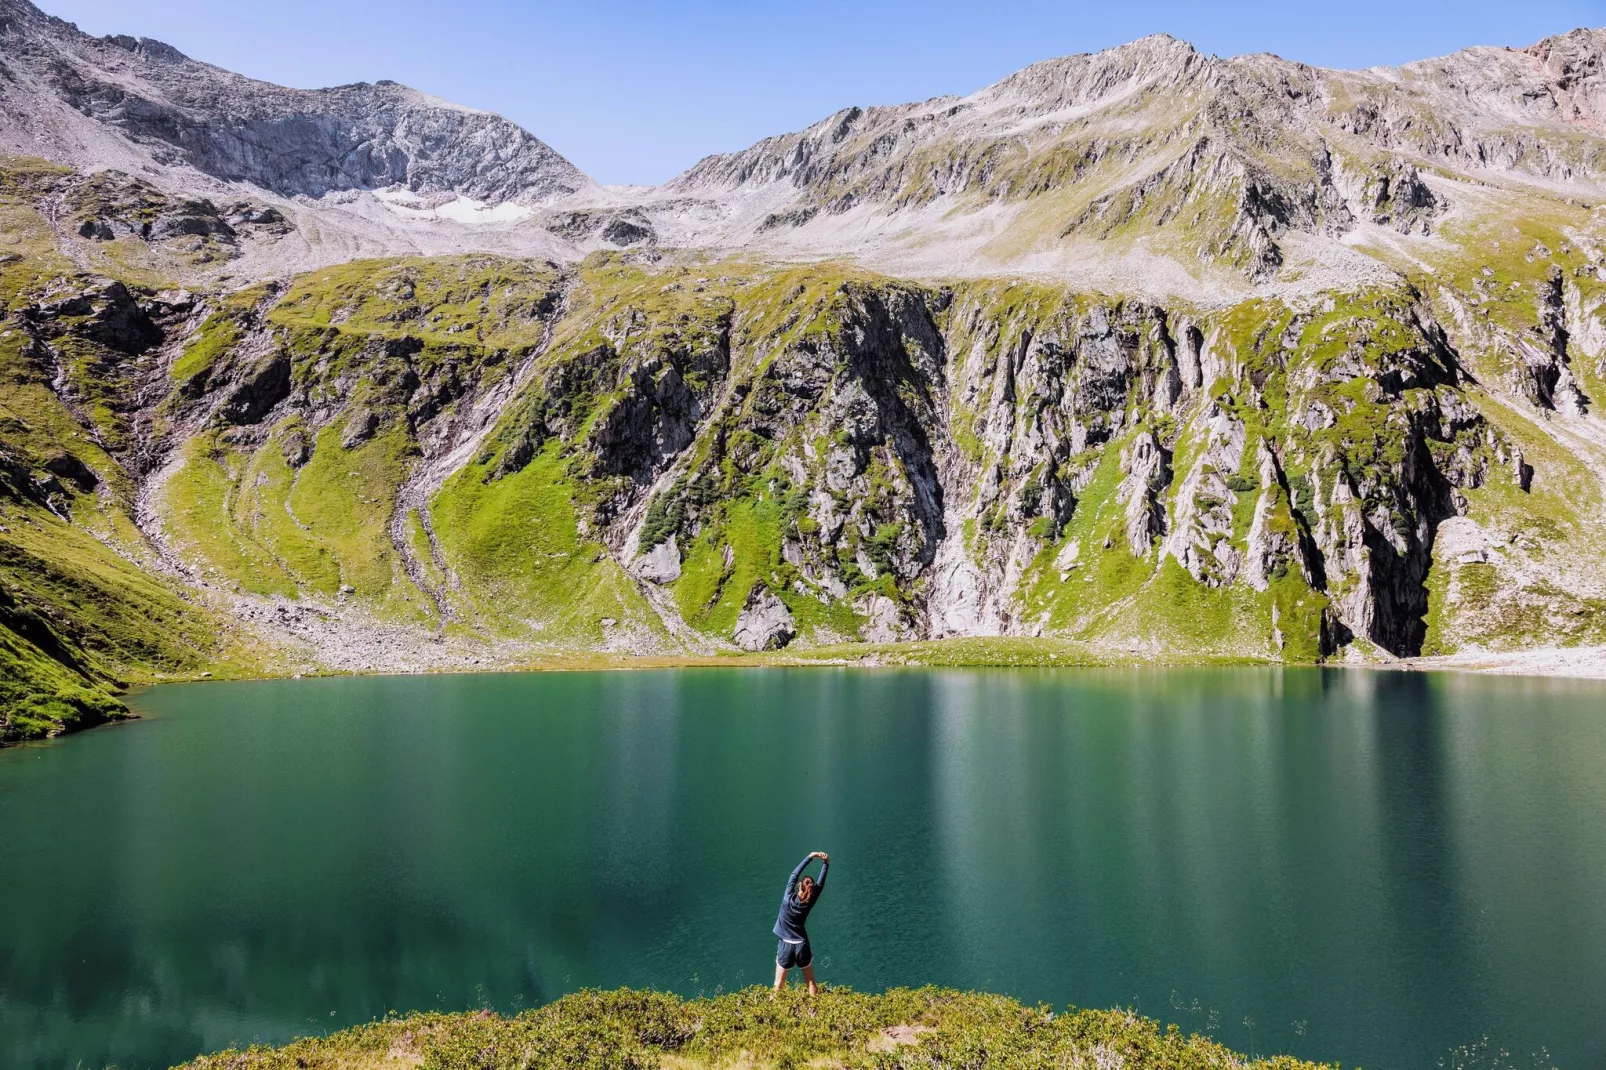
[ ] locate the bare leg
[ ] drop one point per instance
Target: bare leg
(780, 977)
(808, 975)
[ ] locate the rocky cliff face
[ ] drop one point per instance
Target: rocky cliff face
(764, 457)
(645, 457)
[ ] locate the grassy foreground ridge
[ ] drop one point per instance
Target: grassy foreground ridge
(625, 1029)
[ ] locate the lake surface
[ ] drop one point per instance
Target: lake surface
(1373, 868)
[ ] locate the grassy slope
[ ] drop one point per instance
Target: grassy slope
(1541, 585)
(623, 1029)
(264, 528)
(80, 615)
(527, 569)
(78, 622)
(364, 339)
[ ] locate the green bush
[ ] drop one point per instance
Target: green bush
(1239, 483)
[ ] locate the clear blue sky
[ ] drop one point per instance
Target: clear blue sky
(637, 91)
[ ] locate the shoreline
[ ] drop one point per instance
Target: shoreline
(1570, 663)
(992, 652)
(995, 652)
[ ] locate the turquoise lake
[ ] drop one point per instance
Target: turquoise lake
(1372, 868)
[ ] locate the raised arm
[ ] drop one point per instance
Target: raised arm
(791, 882)
(825, 867)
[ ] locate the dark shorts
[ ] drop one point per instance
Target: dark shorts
(793, 956)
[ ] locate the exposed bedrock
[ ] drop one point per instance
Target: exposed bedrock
(925, 449)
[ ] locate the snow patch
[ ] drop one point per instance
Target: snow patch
(458, 209)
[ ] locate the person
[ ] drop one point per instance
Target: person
(802, 892)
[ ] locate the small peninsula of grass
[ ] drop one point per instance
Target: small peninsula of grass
(750, 1029)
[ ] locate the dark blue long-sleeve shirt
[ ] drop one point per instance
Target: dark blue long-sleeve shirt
(789, 926)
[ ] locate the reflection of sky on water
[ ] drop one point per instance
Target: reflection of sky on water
(1399, 862)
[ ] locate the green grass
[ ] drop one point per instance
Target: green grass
(215, 338)
(345, 499)
(41, 694)
(268, 505)
(711, 596)
(24, 231)
(902, 1029)
(78, 623)
(263, 528)
(1103, 577)
(446, 302)
(517, 545)
(321, 530)
(196, 507)
(823, 622)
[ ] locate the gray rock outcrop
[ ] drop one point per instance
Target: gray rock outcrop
(765, 622)
(1273, 542)
(1201, 539)
(1146, 466)
(661, 564)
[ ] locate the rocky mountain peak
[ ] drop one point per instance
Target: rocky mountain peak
(1093, 164)
(132, 102)
(1571, 63)
(856, 138)
(1091, 78)
(146, 46)
(1575, 50)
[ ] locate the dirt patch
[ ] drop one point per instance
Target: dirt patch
(897, 1036)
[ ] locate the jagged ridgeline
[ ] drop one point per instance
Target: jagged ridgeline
(643, 455)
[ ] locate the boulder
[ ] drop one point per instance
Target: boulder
(661, 564)
(359, 428)
(884, 621)
(765, 623)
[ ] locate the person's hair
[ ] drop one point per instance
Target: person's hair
(805, 889)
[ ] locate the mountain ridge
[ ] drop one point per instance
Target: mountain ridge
(1181, 166)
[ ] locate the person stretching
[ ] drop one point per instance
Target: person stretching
(794, 952)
